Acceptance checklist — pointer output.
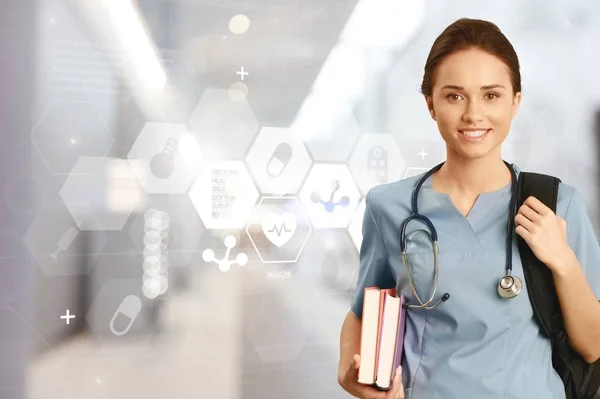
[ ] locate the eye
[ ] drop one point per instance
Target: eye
(493, 96)
(453, 96)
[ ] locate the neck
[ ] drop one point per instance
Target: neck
(472, 176)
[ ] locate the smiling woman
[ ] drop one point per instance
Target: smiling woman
(478, 343)
(472, 86)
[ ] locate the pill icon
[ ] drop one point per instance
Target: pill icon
(130, 307)
(279, 160)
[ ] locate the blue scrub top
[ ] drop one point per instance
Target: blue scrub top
(477, 344)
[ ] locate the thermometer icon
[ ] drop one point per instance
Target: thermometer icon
(130, 307)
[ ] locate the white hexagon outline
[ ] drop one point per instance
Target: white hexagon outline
(362, 137)
(194, 130)
(136, 219)
(37, 257)
(304, 214)
(311, 140)
(353, 182)
(98, 225)
(196, 181)
(294, 348)
(37, 147)
(421, 170)
(99, 336)
(253, 174)
(140, 172)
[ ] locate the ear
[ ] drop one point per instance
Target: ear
(429, 103)
(516, 103)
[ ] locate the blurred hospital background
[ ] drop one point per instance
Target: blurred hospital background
(182, 181)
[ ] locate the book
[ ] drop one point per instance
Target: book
(382, 336)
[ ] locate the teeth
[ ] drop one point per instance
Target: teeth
(474, 133)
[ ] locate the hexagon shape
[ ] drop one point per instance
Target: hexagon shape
(121, 311)
(101, 193)
(224, 127)
(413, 171)
(224, 195)
(57, 244)
(18, 269)
(184, 232)
(375, 160)
(329, 195)
(69, 130)
(328, 128)
(278, 160)
(169, 156)
(355, 228)
(278, 229)
(277, 331)
(22, 194)
(329, 263)
(226, 249)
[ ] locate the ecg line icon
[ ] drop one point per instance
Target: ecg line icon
(330, 205)
(279, 230)
(208, 255)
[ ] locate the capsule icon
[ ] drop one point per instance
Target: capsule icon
(130, 307)
(279, 160)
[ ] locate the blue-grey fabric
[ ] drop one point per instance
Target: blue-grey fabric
(476, 344)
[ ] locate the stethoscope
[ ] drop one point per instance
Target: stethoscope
(509, 286)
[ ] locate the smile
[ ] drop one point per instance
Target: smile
(475, 134)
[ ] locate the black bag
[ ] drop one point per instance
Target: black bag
(580, 378)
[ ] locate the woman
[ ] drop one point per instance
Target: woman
(477, 344)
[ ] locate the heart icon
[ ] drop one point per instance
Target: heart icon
(279, 228)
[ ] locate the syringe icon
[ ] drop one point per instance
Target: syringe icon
(65, 241)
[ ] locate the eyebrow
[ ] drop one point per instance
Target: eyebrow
(453, 87)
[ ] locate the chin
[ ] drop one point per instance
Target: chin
(472, 153)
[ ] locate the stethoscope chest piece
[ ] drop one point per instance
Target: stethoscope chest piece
(509, 286)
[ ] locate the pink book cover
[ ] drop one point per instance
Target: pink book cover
(400, 335)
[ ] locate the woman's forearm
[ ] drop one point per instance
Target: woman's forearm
(349, 340)
(580, 309)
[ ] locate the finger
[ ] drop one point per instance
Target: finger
(397, 391)
(526, 235)
(355, 362)
(521, 220)
(529, 213)
(352, 372)
(538, 206)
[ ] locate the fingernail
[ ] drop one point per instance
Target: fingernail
(399, 371)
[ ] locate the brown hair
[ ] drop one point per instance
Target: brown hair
(465, 34)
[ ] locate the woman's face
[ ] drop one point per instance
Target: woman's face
(472, 95)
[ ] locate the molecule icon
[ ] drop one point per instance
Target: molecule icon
(208, 255)
(329, 205)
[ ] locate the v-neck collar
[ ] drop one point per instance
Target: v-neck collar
(483, 205)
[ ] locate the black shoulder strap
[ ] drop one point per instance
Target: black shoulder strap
(540, 284)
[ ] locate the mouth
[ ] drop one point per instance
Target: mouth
(475, 135)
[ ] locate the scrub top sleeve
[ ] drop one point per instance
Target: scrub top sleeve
(583, 241)
(374, 269)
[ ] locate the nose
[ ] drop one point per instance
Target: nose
(473, 112)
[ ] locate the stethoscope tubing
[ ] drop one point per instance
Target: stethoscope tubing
(434, 238)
